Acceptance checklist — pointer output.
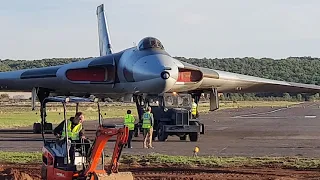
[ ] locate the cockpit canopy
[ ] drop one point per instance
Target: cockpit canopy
(150, 43)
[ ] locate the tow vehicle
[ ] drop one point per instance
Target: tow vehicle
(172, 116)
(56, 162)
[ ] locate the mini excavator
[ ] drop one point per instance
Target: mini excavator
(56, 162)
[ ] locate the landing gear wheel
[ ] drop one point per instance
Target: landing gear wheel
(48, 128)
(194, 136)
(154, 135)
(162, 136)
(136, 132)
(37, 128)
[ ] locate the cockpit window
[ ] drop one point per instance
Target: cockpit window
(150, 43)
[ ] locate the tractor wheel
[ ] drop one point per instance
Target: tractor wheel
(183, 138)
(162, 136)
(194, 136)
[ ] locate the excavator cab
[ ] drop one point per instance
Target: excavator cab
(56, 160)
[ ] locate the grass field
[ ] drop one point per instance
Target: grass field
(206, 161)
(21, 116)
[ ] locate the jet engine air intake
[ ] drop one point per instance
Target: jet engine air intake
(189, 75)
(92, 74)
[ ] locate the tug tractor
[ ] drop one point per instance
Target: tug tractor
(172, 116)
(56, 162)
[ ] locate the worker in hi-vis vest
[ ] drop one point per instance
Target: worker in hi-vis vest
(75, 132)
(147, 126)
(129, 121)
(194, 109)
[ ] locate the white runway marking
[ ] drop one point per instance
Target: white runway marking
(222, 128)
(253, 114)
(310, 116)
(299, 137)
(258, 117)
(270, 112)
(223, 149)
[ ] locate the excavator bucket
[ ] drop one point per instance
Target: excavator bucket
(114, 176)
(104, 133)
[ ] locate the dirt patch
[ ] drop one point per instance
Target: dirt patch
(143, 173)
(14, 174)
(32, 171)
(20, 172)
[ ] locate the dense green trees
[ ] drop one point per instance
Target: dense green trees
(294, 69)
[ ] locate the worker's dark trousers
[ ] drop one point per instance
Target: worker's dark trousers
(78, 146)
(130, 138)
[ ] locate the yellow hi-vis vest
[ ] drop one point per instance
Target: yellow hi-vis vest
(74, 133)
(129, 121)
(194, 108)
(146, 120)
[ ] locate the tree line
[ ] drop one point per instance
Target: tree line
(294, 69)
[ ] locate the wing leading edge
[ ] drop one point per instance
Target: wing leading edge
(227, 82)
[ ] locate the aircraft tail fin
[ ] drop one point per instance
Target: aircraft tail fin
(104, 38)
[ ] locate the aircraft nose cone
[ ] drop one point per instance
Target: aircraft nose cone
(158, 71)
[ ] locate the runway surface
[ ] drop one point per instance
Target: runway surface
(292, 131)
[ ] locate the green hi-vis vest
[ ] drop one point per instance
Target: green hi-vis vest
(129, 121)
(74, 133)
(146, 120)
(194, 108)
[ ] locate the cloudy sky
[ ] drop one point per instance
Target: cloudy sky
(205, 28)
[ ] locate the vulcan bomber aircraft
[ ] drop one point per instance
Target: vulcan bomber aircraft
(145, 69)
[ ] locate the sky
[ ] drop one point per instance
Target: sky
(205, 28)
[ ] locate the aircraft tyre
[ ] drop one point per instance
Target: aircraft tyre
(136, 132)
(37, 128)
(154, 135)
(48, 128)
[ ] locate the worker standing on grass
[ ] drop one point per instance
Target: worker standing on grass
(147, 126)
(129, 121)
(194, 109)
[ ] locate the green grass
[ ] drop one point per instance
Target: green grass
(11, 117)
(204, 107)
(213, 161)
(20, 157)
(205, 161)
(22, 116)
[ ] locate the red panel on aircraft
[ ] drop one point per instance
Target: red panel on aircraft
(187, 75)
(86, 74)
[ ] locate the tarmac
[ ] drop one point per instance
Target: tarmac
(263, 131)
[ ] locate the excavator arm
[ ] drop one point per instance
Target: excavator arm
(122, 139)
(103, 134)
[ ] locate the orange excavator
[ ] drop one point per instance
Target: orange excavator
(56, 161)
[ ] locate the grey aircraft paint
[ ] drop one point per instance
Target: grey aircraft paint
(147, 68)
